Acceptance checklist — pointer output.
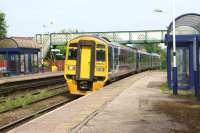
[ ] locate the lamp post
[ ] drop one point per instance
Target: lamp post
(175, 81)
(174, 68)
(45, 26)
(52, 58)
(42, 50)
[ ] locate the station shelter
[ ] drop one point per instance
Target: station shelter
(187, 53)
(19, 55)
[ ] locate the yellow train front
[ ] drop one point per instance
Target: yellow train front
(86, 64)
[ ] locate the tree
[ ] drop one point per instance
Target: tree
(163, 59)
(152, 48)
(3, 26)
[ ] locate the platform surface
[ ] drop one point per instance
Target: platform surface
(121, 107)
(29, 77)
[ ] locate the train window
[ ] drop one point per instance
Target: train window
(116, 58)
(100, 55)
(72, 54)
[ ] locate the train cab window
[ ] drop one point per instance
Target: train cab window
(100, 55)
(72, 54)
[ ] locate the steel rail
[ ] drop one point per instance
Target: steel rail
(30, 84)
(31, 116)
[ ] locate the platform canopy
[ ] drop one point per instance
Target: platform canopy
(186, 24)
(18, 43)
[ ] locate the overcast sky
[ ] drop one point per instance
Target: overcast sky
(26, 17)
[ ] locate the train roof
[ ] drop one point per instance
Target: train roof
(94, 36)
(142, 52)
(146, 53)
(155, 54)
(121, 46)
(106, 40)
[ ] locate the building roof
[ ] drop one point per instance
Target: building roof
(186, 24)
(19, 42)
(23, 38)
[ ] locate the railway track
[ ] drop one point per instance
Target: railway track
(26, 118)
(18, 122)
(7, 88)
(55, 85)
(13, 116)
(53, 90)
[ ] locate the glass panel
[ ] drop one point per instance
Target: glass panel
(22, 63)
(116, 58)
(32, 62)
(13, 63)
(199, 64)
(100, 55)
(26, 63)
(182, 66)
(72, 55)
(35, 65)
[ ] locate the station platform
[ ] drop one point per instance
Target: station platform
(121, 107)
(19, 78)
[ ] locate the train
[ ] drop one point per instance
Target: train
(92, 61)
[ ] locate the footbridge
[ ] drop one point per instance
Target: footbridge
(122, 37)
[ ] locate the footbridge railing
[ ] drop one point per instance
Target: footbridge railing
(122, 37)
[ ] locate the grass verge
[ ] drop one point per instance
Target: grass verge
(183, 94)
(27, 99)
(185, 111)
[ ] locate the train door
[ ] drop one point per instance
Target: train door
(116, 59)
(110, 58)
(85, 62)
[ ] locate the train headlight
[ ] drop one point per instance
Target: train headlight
(100, 69)
(71, 67)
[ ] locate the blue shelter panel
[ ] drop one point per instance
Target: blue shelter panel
(18, 54)
(188, 49)
(188, 63)
(183, 67)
